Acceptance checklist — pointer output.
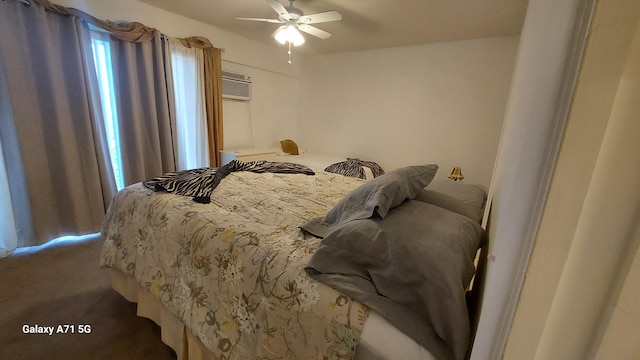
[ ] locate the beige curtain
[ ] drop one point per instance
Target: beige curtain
(51, 131)
(213, 63)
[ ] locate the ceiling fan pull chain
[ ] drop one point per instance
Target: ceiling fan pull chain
(289, 52)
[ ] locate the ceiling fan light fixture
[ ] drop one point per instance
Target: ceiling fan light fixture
(294, 21)
(289, 33)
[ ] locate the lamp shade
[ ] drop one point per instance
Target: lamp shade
(289, 33)
(456, 174)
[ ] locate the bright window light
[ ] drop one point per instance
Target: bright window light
(102, 59)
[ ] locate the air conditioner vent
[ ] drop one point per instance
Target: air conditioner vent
(236, 86)
(235, 76)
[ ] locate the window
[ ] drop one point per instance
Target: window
(102, 59)
(8, 235)
(187, 66)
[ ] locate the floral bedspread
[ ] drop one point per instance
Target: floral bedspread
(232, 270)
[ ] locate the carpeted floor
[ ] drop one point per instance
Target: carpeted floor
(64, 285)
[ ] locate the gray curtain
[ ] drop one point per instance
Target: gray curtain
(144, 116)
(51, 130)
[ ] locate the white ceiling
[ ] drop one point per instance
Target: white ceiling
(366, 24)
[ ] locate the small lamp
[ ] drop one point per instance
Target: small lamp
(456, 174)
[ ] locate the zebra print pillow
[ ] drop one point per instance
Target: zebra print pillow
(355, 168)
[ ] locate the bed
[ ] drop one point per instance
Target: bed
(237, 278)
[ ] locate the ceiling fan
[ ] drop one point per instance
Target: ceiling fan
(293, 21)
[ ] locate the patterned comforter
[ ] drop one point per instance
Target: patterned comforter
(232, 270)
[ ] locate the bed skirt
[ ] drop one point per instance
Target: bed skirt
(379, 340)
(173, 332)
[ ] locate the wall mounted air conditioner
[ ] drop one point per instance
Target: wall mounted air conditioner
(236, 86)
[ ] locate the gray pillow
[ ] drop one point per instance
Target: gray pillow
(412, 267)
(376, 196)
(465, 199)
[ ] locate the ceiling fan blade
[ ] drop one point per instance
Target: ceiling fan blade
(273, 21)
(321, 17)
(275, 5)
(312, 30)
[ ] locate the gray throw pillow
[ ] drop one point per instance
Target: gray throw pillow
(376, 197)
(465, 199)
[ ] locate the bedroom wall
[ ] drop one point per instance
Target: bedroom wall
(270, 116)
(439, 103)
(273, 79)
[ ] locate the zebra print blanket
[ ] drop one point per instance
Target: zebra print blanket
(200, 183)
